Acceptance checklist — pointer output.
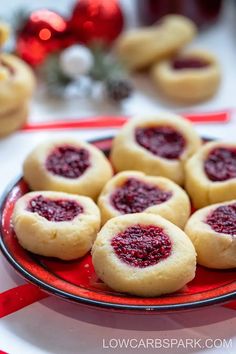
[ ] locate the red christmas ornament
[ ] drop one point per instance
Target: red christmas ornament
(96, 20)
(43, 32)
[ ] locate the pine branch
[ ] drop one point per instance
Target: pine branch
(105, 67)
(53, 76)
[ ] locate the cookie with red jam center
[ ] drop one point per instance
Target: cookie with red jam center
(56, 224)
(213, 232)
(143, 254)
(190, 77)
(211, 174)
(131, 192)
(156, 145)
(67, 165)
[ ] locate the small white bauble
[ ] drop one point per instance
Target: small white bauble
(75, 61)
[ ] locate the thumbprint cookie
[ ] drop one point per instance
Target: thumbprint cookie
(191, 77)
(212, 231)
(143, 254)
(157, 145)
(211, 174)
(56, 224)
(134, 192)
(67, 165)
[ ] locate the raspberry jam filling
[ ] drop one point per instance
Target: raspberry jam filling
(55, 210)
(163, 141)
(135, 196)
(189, 63)
(220, 164)
(141, 245)
(223, 219)
(68, 161)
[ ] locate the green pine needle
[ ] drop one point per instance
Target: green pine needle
(106, 66)
(52, 75)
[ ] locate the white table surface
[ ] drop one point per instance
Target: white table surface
(55, 326)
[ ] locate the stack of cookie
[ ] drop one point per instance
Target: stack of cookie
(183, 76)
(17, 82)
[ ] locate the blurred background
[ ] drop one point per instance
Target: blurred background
(71, 46)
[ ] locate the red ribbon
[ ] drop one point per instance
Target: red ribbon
(19, 297)
(117, 121)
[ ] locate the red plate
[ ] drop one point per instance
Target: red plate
(77, 281)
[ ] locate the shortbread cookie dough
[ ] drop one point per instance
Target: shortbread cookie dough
(157, 145)
(212, 231)
(134, 192)
(211, 174)
(140, 48)
(67, 165)
(191, 77)
(13, 120)
(56, 224)
(143, 254)
(17, 82)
